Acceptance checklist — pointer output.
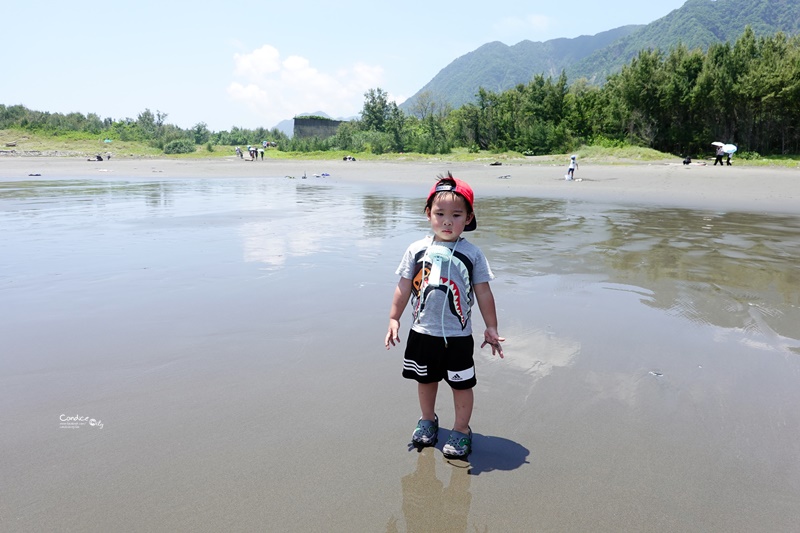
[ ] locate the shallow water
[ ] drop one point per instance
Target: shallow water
(227, 335)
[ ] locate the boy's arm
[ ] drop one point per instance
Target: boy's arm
(486, 303)
(401, 295)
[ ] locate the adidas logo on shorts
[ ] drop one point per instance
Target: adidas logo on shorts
(461, 375)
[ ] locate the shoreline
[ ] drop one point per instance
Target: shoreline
(735, 188)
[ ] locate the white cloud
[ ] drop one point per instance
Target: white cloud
(276, 89)
(397, 98)
(257, 63)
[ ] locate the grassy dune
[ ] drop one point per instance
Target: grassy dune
(36, 144)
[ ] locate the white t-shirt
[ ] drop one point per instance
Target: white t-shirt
(443, 275)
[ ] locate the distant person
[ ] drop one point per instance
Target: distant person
(261, 153)
(108, 156)
(444, 274)
(239, 152)
(729, 159)
(718, 159)
(573, 164)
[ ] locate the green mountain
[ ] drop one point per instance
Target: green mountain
(697, 24)
(497, 66)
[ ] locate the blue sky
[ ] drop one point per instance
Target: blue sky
(255, 64)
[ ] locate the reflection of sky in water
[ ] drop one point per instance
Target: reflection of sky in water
(312, 220)
(735, 271)
(650, 351)
(538, 353)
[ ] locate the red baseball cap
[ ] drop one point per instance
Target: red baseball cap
(459, 187)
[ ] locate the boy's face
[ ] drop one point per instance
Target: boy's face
(448, 217)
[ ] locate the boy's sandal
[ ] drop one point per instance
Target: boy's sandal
(458, 446)
(426, 433)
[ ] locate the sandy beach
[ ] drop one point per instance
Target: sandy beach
(198, 346)
(737, 187)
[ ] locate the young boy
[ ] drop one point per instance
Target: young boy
(573, 164)
(444, 274)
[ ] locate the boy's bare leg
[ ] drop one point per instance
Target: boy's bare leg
(463, 400)
(427, 399)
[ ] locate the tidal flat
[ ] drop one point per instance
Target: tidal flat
(224, 333)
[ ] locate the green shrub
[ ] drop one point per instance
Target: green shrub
(748, 156)
(179, 146)
(605, 142)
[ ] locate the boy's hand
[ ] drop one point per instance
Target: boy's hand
(493, 339)
(392, 337)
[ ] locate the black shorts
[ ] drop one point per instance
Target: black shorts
(428, 360)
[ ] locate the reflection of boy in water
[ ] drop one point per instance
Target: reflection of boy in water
(428, 505)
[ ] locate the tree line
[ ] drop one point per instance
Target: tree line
(746, 93)
(149, 128)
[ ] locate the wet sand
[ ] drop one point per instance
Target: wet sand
(198, 346)
(737, 187)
